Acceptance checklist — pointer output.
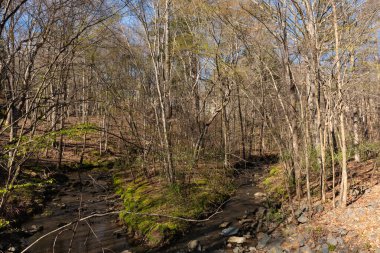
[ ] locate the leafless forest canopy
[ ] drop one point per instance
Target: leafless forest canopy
(181, 85)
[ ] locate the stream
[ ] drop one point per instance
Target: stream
(89, 192)
(240, 212)
(85, 193)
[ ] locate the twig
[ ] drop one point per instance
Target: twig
(97, 238)
(96, 183)
(67, 225)
(55, 239)
(76, 224)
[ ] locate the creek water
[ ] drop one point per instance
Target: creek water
(208, 232)
(90, 192)
(85, 193)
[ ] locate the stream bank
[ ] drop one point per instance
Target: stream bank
(84, 193)
(92, 191)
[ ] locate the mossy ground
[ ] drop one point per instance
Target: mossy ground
(191, 200)
(274, 183)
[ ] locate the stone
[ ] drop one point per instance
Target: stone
(193, 245)
(34, 229)
(224, 224)
(289, 230)
(340, 240)
(263, 239)
(275, 242)
(290, 245)
(248, 235)
(319, 208)
(236, 250)
(325, 248)
(301, 240)
(306, 249)
(342, 231)
(260, 195)
(303, 219)
(243, 221)
(229, 231)
(275, 249)
(260, 212)
(331, 240)
(11, 249)
(118, 233)
(299, 211)
(252, 249)
(236, 239)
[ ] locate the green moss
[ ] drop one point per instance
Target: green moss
(274, 183)
(200, 181)
(275, 170)
(275, 215)
(176, 200)
(331, 247)
(3, 223)
(28, 185)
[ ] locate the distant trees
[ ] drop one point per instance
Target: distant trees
(178, 84)
(39, 44)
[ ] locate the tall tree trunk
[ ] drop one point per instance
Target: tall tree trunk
(242, 132)
(356, 134)
(344, 182)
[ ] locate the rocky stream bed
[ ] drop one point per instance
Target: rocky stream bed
(246, 223)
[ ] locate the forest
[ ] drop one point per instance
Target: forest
(189, 125)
